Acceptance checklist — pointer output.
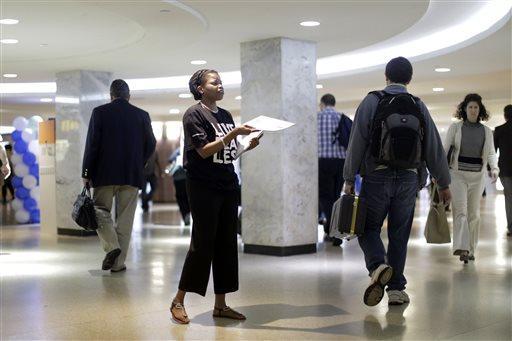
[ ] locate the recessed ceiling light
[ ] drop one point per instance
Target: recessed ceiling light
(198, 62)
(9, 21)
(43, 45)
(319, 86)
(10, 75)
(442, 69)
(46, 100)
(238, 98)
(8, 41)
(174, 111)
(165, 10)
(309, 23)
(437, 89)
(185, 95)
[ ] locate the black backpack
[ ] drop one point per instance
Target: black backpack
(397, 131)
(342, 133)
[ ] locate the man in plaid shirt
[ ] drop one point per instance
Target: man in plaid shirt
(331, 159)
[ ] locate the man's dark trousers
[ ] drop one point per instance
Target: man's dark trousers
(330, 184)
(390, 193)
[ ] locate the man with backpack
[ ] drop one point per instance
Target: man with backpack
(333, 136)
(393, 141)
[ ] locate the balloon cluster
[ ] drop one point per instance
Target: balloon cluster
(25, 159)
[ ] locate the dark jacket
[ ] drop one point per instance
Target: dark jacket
(119, 142)
(503, 143)
(359, 159)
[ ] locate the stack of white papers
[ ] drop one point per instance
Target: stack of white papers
(262, 123)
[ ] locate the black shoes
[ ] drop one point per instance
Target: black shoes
(110, 259)
(337, 242)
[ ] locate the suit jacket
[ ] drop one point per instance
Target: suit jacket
(119, 142)
(503, 143)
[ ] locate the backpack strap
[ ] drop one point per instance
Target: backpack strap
(380, 94)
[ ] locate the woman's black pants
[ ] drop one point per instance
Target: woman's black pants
(214, 241)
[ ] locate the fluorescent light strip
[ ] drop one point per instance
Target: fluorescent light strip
(9, 21)
(9, 41)
(489, 14)
(28, 88)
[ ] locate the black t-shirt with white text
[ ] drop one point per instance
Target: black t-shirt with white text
(201, 127)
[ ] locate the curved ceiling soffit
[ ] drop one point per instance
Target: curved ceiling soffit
(484, 19)
(140, 34)
(190, 10)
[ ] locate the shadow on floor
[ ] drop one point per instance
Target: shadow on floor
(259, 316)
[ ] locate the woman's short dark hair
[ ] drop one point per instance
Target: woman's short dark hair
(461, 114)
(196, 80)
(507, 111)
(119, 89)
(328, 100)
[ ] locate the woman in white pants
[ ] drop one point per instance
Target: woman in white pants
(470, 149)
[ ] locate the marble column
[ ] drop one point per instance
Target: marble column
(280, 178)
(78, 92)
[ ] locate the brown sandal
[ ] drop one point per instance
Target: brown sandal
(177, 306)
(227, 312)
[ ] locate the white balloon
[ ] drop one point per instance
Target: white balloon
(27, 135)
(20, 123)
(34, 121)
(22, 216)
(17, 204)
(21, 170)
(35, 194)
(33, 147)
(16, 158)
(29, 181)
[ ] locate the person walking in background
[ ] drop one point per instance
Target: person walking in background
(151, 178)
(212, 186)
(470, 149)
(333, 135)
(6, 172)
(503, 144)
(393, 173)
(119, 142)
(179, 177)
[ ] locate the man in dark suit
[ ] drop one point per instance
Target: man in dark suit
(119, 142)
(503, 143)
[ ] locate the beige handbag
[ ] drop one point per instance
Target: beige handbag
(437, 229)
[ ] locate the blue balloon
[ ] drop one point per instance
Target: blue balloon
(20, 146)
(35, 216)
(34, 170)
(29, 204)
(16, 181)
(16, 136)
(21, 193)
(29, 158)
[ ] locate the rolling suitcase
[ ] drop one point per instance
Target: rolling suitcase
(348, 217)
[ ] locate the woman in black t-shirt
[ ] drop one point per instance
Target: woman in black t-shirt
(212, 188)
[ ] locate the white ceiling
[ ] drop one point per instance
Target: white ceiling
(134, 39)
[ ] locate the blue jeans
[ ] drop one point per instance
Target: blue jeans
(390, 193)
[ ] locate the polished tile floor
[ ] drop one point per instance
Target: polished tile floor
(53, 288)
